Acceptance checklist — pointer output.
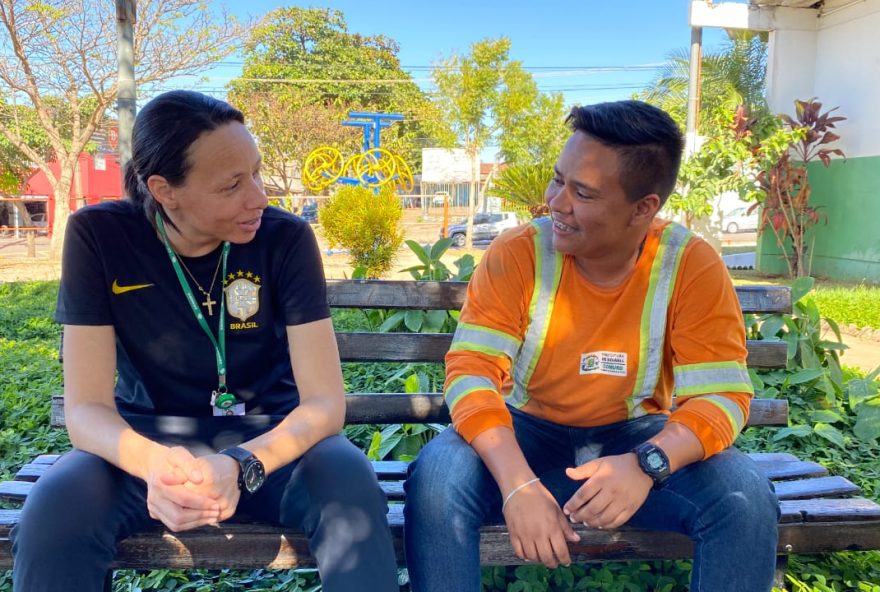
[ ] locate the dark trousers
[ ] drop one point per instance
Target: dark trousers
(724, 504)
(83, 506)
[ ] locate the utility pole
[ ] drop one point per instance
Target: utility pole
(693, 114)
(126, 96)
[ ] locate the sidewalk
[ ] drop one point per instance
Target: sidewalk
(863, 354)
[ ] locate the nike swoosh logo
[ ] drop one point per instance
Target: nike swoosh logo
(117, 289)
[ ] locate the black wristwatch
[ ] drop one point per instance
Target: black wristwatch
(653, 462)
(252, 473)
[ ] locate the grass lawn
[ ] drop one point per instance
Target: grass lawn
(846, 303)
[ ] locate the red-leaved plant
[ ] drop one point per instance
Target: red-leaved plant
(786, 206)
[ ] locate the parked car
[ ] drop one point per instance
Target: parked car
(309, 213)
(487, 225)
(439, 199)
(41, 222)
(739, 220)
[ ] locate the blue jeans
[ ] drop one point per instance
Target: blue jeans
(330, 492)
(724, 504)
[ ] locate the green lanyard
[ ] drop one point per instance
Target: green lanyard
(223, 399)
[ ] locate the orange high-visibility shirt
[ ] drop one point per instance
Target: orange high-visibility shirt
(587, 369)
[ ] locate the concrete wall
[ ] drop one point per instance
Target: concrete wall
(847, 240)
(836, 58)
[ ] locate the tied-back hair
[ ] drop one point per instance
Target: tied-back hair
(647, 140)
(163, 132)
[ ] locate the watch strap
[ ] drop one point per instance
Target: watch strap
(245, 459)
(658, 475)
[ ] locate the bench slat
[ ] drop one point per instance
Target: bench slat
(383, 408)
(392, 473)
(766, 354)
(812, 488)
(760, 457)
(853, 509)
(824, 537)
(265, 546)
(407, 294)
(15, 491)
(432, 347)
(787, 470)
(764, 299)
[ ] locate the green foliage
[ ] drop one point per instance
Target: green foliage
(835, 573)
(366, 224)
(835, 421)
(65, 65)
(485, 95)
(732, 85)
(15, 165)
(724, 162)
(315, 53)
(404, 441)
(536, 132)
(730, 77)
(289, 124)
(785, 184)
(856, 305)
(31, 373)
(658, 576)
(226, 580)
(524, 185)
(431, 268)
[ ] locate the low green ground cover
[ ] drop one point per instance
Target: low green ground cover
(851, 304)
(831, 410)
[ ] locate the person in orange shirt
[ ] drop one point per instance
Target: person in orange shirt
(577, 331)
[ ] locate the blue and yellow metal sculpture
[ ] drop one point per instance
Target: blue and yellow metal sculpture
(374, 167)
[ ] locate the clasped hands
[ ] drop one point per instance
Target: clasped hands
(615, 488)
(185, 492)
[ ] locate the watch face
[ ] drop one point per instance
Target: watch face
(253, 476)
(655, 461)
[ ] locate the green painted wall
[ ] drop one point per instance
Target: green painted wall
(848, 246)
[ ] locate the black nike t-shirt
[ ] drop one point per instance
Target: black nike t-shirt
(116, 272)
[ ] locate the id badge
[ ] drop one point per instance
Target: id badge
(225, 404)
(237, 409)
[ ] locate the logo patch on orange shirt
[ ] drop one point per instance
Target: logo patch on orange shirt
(604, 362)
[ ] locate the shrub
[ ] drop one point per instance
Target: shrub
(366, 224)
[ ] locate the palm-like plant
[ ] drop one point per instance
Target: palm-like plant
(522, 186)
(730, 77)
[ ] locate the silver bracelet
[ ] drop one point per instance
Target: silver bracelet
(516, 489)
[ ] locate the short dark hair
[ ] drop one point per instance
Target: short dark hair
(648, 142)
(163, 132)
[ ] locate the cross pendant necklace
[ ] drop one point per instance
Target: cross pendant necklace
(209, 304)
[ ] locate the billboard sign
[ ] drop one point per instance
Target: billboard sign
(445, 165)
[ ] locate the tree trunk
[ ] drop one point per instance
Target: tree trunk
(61, 190)
(472, 198)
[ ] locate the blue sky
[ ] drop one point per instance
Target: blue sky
(590, 51)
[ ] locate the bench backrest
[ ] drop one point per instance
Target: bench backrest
(432, 347)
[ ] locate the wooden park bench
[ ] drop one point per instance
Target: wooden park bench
(820, 513)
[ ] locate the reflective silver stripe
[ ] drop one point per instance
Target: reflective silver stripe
(731, 410)
(464, 385)
(699, 379)
(548, 268)
(489, 341)
(664, 272)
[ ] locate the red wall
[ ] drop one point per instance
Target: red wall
(96, 185)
